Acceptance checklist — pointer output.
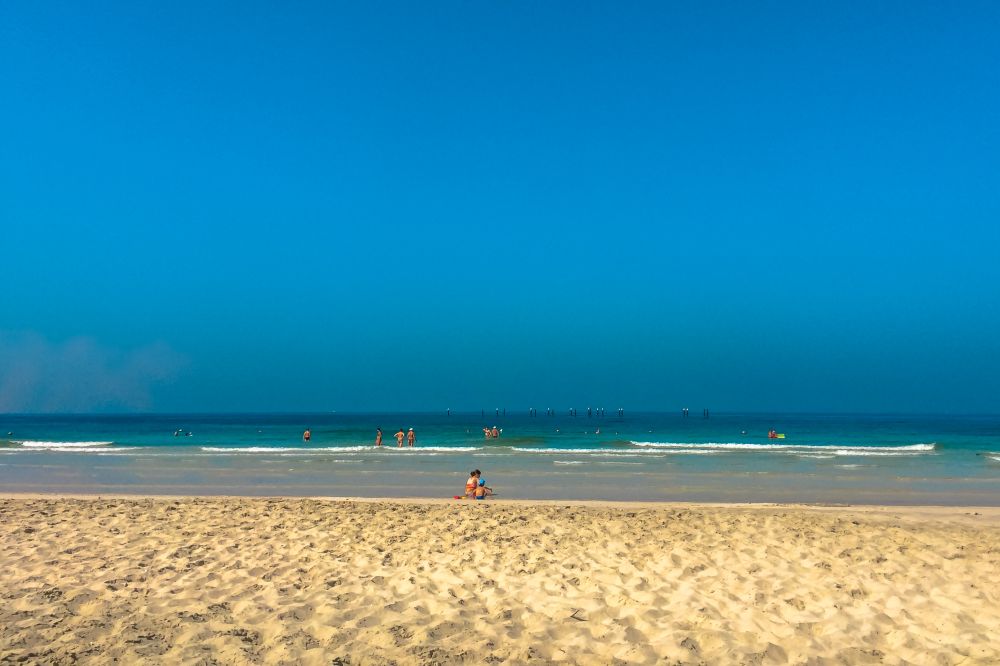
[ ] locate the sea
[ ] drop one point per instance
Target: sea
(583, 455)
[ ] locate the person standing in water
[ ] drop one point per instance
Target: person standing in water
(411, 438)
(399, 438)
(378, 436)
(306, 436)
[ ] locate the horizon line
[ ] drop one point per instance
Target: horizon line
(518, 412)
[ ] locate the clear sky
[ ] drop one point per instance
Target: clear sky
(406, 206)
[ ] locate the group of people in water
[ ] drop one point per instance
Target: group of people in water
(409, 436)
(475, 487)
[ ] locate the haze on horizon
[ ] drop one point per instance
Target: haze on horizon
(391, 206)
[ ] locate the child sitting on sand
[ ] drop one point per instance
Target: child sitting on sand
(481, 491)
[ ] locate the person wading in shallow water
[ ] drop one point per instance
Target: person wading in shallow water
(378, 436)
(411, 438)
(399, 438)
(306, 436)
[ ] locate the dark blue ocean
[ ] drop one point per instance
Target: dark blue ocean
(844, 458)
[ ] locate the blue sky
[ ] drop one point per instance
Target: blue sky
(312, 206)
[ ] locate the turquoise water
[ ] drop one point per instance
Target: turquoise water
(639, 456)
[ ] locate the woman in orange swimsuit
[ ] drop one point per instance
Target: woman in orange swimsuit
(472, 483)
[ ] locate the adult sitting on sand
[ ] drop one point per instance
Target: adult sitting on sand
(475, 484)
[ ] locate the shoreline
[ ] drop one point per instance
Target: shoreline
(971, 514)
(985, 510)
(930, 509)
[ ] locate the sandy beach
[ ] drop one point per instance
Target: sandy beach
(272, 581)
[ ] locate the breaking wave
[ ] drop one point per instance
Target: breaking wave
(339, 449)
(805, 450)
(61, 445)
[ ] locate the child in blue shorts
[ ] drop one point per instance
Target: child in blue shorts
(482, 492)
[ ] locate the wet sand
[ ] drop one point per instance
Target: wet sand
(256, 580)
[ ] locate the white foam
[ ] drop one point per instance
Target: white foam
(711, 445)
(61, 445)
(72, 449)
(616, 453)
(789, 448)
(301, 450)
(909, 448)
(438, 449)
(872, 452)
(568, 462)
(602, 452)
(277, 449)
(996, 458)
(689, 452)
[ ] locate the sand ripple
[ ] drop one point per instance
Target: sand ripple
(274, 581)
